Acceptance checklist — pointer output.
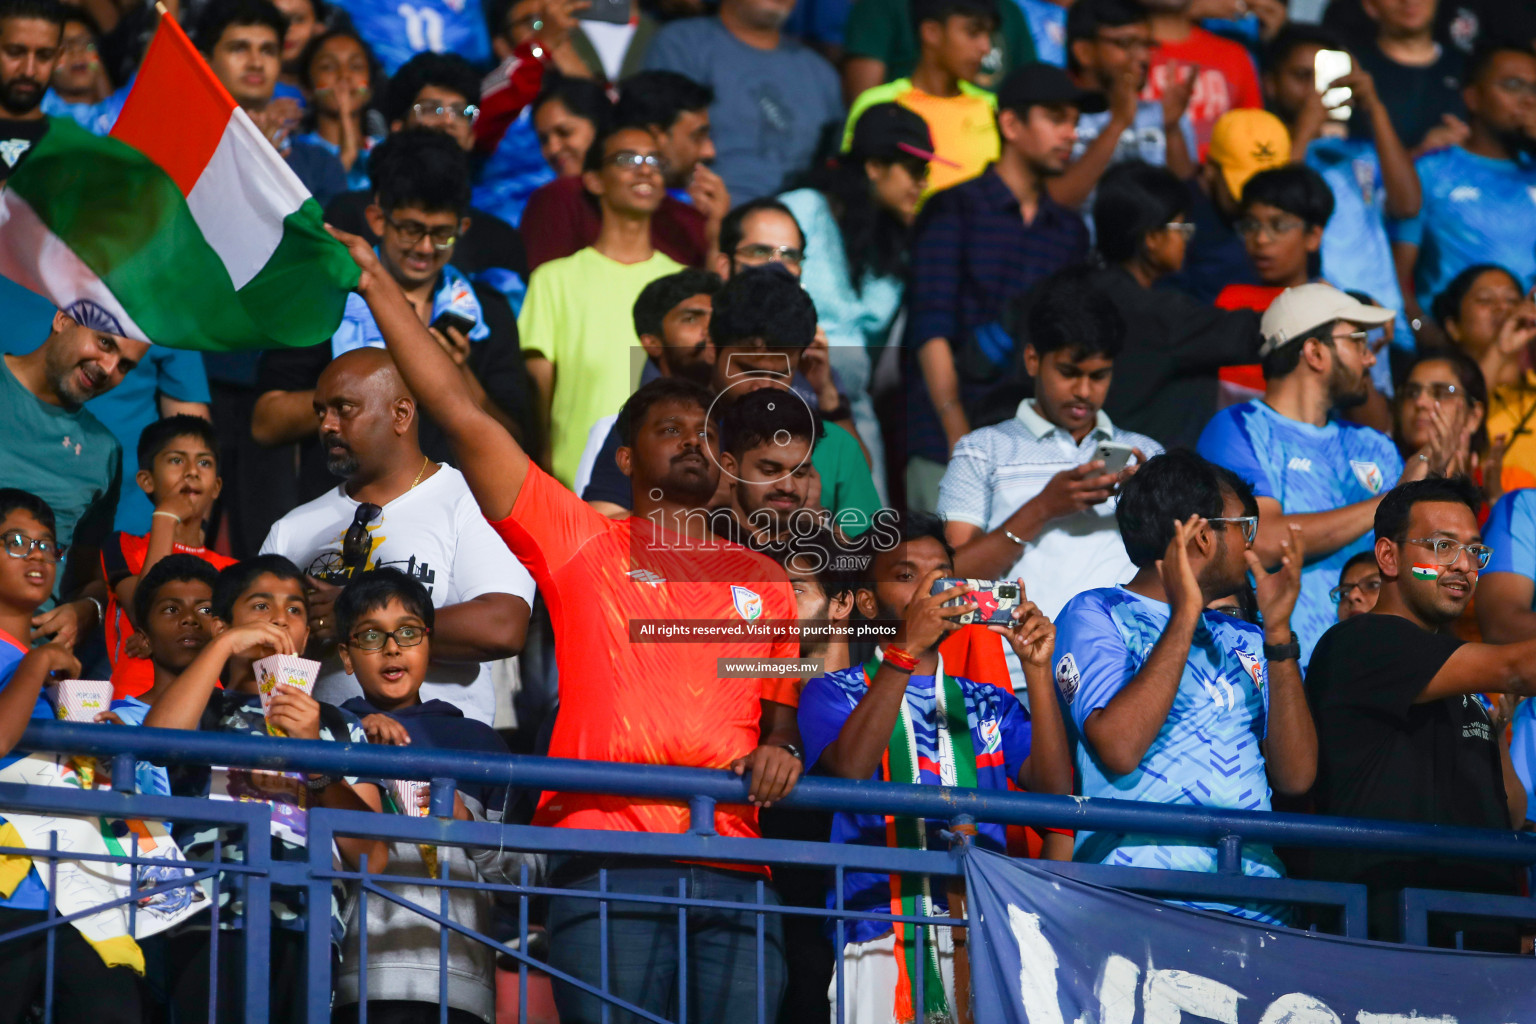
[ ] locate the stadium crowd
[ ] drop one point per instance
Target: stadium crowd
(1162, 371)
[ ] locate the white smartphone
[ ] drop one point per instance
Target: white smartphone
(1114, 456)
(1328, 67)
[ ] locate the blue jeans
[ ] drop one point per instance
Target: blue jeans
(722, 974)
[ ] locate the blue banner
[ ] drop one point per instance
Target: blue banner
(1055, 951)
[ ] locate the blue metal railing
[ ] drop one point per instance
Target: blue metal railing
(702, 790)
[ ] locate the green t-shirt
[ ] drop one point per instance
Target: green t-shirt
(579, 314)
(847, 489)
(882, 30)
(67, 458)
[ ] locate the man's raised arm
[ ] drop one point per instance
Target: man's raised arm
(492, 462)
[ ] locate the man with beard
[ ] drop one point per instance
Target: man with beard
(1477, 195)
(1308, 467)
(1404, 732)
(31, 39)
(58, 451)
(766, 439)
(627, 694)
(397, 508)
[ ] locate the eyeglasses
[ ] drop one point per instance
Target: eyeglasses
(356, 545)
(454, 111)
(411, 233)
(375, 639)
(1447, 551)
(1517, 85)
(19, 545)
(1376, 339)
(1250, 525)
(629, 160)
(1436, 390)
(1182, 227)
(1272, 229)
(1366, 585)
(786, 254)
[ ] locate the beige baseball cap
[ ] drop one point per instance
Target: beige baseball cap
(1297, 311)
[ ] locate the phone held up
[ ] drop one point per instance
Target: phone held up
(993, 601)
(1328, 67)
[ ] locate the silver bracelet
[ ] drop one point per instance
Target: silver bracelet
(101, 613)
(1014, 537)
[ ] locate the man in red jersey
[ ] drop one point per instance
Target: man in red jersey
(611, 587)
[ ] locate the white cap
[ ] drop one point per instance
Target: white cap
(1297, 311)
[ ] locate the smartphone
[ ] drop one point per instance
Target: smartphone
(615, 12)
(456, 320)
(993, 600)
(1114, 456)
(1328, 67)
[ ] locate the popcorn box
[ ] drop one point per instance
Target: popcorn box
(413, 798)
(279, 669)
(81, 700)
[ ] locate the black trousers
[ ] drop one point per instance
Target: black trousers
(84, 989)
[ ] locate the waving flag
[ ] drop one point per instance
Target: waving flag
(184, 227)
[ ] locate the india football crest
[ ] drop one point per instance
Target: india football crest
(749, 604)
(1369, 475)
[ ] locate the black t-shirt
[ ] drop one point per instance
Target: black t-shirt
(1380, 755)
(1416, 98)
(16, 138)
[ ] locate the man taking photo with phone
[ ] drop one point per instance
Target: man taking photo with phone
(1033, 497)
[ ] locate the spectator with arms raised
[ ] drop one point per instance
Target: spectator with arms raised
(623, 701)
(896, 711)
(1138, 665)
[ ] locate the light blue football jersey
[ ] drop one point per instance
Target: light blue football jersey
(1305, 468)
(1207, 754)
(1475, 210)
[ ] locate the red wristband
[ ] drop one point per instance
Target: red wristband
(900, 660)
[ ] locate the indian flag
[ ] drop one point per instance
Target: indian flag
(1425, 572)
(184, 227)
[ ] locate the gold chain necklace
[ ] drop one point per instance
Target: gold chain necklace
(425, 462)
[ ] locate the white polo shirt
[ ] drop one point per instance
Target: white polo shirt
(996, 469)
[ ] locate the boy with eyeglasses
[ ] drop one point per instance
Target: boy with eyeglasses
(1307, 466)
(385, 620)
(1404, 733)
(576, 324)
(418, 212)
(28, 564)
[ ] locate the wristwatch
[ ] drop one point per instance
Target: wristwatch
(794, 752)
(1284, 652)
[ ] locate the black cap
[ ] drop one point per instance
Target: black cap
(1045, 85)
(886, 131)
